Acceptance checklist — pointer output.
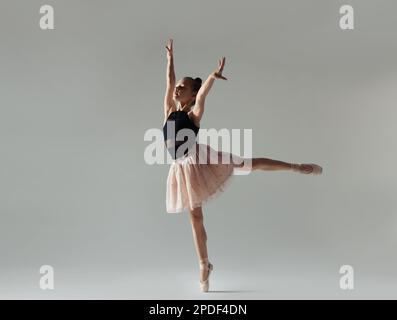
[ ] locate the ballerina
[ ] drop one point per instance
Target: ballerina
(190, 183)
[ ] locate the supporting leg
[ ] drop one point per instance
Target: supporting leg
(200, 238)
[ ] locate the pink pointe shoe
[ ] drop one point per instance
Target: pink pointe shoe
(307, 168)
(205, 265)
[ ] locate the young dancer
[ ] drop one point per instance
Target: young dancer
(191, 182)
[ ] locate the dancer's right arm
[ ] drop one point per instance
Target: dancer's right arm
(169, 102)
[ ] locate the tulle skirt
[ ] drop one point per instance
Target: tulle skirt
(202, 174)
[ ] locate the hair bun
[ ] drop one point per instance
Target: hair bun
(198, 80)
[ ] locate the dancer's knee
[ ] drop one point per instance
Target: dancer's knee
(196, 215)
(244, 164)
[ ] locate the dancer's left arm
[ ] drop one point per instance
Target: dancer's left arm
(198, 109)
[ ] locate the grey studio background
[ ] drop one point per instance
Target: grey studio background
(77, 194)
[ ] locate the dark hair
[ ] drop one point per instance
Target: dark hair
(196, 83)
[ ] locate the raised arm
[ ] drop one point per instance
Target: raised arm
(198, 109)
(169, 102)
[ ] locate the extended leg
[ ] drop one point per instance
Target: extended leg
(263, 164)
(271, 165)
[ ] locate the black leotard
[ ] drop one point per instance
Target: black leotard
(182, 121)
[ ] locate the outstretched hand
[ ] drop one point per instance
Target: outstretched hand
(218, 73)
(170, 49)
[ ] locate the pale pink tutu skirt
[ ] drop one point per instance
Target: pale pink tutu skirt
(199, 176)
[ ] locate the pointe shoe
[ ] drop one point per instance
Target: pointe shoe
(308, 168)
(316, 169)
(204, 284)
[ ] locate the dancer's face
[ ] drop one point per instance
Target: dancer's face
(183, 91)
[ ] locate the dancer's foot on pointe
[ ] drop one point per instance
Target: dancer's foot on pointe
(206, 268)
